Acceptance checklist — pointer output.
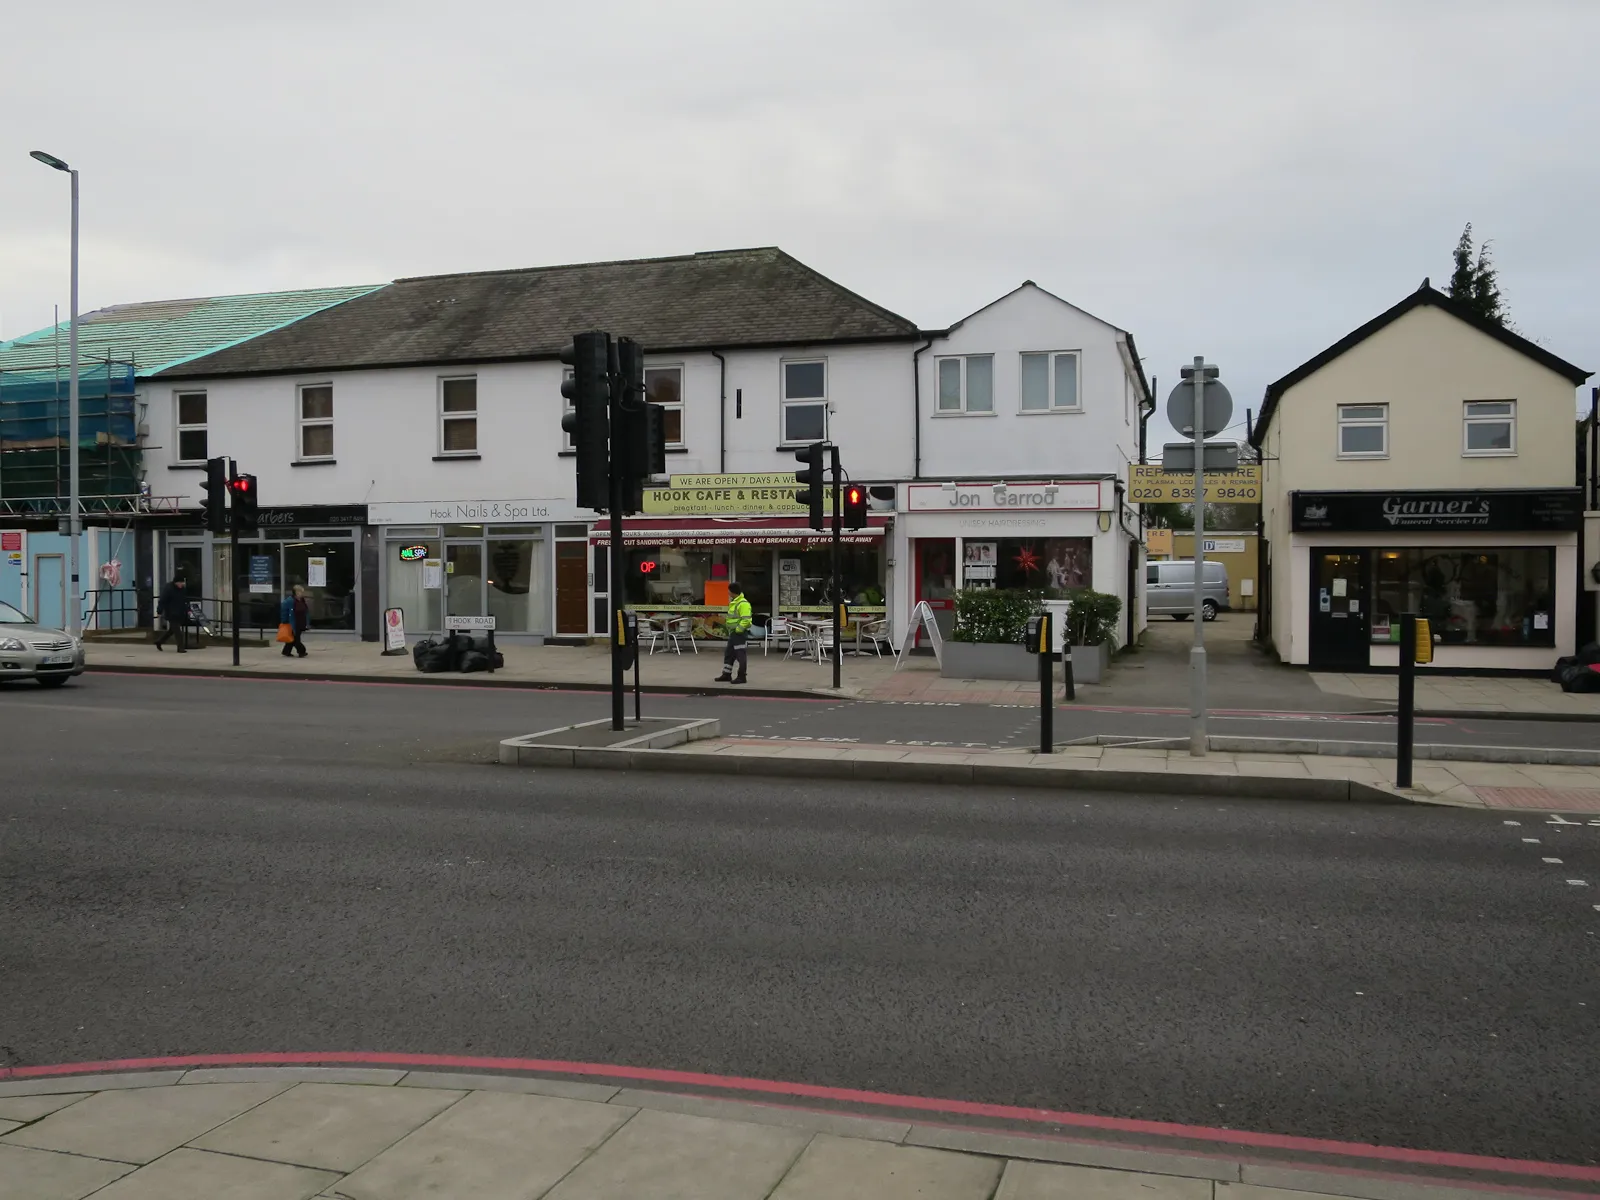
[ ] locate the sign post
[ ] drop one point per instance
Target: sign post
(1199, 406)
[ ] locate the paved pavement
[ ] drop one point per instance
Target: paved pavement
(292, 1133)
(1242, 679)
(247, 866)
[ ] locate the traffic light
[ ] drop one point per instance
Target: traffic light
(855, 506)
(245, 511)
(811, 480)
(215, 505)
(639, 441)
(587, 424)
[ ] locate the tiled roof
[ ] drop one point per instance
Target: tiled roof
(716, 300)
(158, 334)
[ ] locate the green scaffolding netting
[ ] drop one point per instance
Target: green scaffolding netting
(34, 432)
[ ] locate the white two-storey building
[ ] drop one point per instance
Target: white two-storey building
(409, 451)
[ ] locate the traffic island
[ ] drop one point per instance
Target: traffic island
(591, 743)
(1139, 769)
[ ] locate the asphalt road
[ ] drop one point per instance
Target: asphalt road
(203, 866)
(506, 712)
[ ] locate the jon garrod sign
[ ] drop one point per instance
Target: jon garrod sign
(1003, 497)
(1557, 510)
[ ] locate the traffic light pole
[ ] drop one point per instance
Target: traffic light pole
(618, 636)
(838, 584)
(233, 569)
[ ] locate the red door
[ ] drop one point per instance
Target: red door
(936, 580)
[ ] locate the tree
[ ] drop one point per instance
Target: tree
(1170, 516)
(1474, 282)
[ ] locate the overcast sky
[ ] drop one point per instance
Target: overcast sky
(1244, 179)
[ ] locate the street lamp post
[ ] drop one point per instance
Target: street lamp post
(74, 516)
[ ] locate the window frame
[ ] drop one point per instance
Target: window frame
(1468, 421)
(1341, 423)
(785, 403)
(1050, 357)
(683, 429)
(180, 428)
(965, 400)
(445, 417)
(302, 422)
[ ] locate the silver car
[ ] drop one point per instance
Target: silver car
(29, 650)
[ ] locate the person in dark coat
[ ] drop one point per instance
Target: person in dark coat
(295, 612)
(173, 607)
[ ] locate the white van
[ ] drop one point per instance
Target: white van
(1169, 589)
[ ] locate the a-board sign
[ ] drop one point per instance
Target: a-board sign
(394, 631)
(921, 617)
(469, 622)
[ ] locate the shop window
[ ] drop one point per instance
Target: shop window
(966, 385)
(1489, 428)
(753, 570)
(665, 575)
(458, 416)
(405, 577)
(1363, 430)
(1046, 564)
(1490, 596)
(805, 401)
(664, 386)
(514, 583)
(327, 570)
(1050, 382)
(192, 435)
(860, 573)
(316, 422)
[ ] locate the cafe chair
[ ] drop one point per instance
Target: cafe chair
(796, 638)
(679, 629)
(874, 633)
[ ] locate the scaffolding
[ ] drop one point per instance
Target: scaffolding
(35, 442)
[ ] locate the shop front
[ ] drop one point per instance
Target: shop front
(1491, 571)
(682, 566)
(319, 547)
(1010, 535)
(477, 558)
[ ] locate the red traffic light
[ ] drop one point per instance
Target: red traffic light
(855, 507)
(239, 485)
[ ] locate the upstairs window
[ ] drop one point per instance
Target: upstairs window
(458, 415)
(192, 440)
(966, 385)
(805, 401)
(316, 421)
(1363, 431)
(1050, 383)
(664, 386)
(1489, 428)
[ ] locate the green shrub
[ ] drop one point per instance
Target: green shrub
(1092, 619)
(998, 616)
(994, 616)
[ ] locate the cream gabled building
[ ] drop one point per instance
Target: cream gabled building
(1424, 463)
